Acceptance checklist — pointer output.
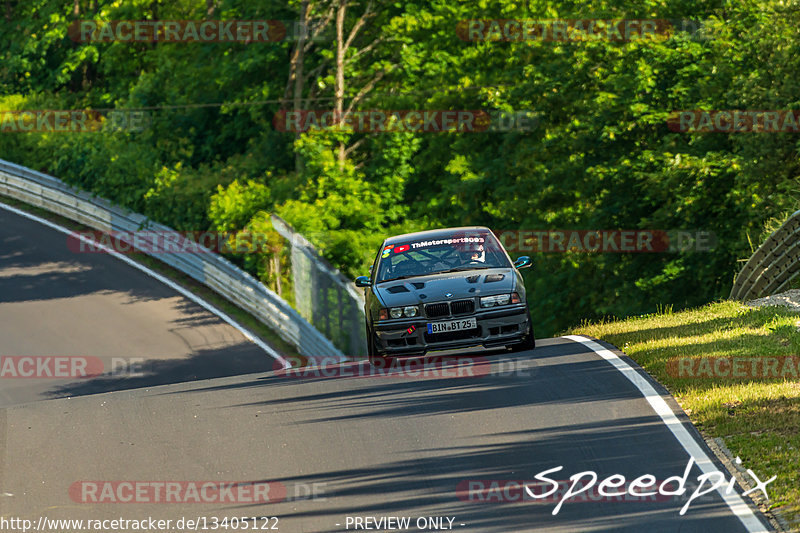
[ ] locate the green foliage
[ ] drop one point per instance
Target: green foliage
(232, 207)
(600, 157)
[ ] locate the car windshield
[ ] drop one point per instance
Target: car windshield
(452, 253)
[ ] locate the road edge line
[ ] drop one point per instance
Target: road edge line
(733, 500)
(155, 275)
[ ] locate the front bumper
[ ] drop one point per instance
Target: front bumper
(495, 327)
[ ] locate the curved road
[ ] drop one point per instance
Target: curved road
(91, 311)
(328, 447)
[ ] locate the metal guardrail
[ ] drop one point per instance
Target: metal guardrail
(773, 265)
(210, 269)
(323, 295)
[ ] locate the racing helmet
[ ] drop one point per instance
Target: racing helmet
(473, 253)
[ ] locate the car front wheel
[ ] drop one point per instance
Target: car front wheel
(528, 342)
(376, 357)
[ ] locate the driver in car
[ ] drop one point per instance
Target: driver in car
(477, 255)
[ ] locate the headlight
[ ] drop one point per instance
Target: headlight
(491, 301)
(399, 312)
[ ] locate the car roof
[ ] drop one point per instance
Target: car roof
(435, 234)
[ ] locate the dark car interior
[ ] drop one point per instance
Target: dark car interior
(440, 258)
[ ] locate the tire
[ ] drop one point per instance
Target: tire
(376, 358)
(528, 342)
(370, 345)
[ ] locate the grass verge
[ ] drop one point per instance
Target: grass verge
(758, 419)
(253, 324)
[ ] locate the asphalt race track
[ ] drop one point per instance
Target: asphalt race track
(58, 303)
(325, 446)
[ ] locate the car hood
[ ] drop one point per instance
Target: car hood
(433, 288)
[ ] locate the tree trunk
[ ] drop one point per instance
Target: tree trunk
(276, 267)
(298, 59)
(339, 88)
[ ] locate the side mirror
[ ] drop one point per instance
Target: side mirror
(523, 262)
(363, 281)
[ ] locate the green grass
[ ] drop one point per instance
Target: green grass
(253, 324)
(759, 419)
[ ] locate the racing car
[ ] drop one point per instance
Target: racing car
(444, 289)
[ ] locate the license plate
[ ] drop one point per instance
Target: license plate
(452, 325)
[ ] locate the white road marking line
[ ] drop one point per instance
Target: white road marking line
(169, 283)
(733, 500)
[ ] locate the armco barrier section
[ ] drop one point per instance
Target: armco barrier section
(210, 269)
(773, 266)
